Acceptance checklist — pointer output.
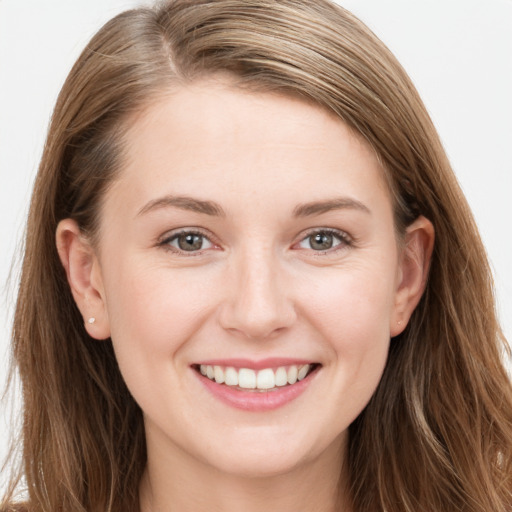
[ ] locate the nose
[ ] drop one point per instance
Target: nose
(256, 303)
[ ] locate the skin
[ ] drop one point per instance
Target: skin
(257, 288)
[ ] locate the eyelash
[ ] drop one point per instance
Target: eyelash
(165, 243)
(344, 241)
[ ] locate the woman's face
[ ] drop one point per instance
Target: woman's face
(249, 237)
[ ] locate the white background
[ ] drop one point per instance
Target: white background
(458, 53)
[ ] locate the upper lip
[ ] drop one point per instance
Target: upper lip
(260, 364)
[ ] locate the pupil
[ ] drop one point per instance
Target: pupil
(190, 242)
(321, 241)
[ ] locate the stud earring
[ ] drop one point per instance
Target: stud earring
(91, 320)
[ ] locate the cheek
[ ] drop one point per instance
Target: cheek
(351, 311)
(153, 311)
(352, 305)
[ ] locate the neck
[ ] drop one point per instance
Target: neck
(184, 484)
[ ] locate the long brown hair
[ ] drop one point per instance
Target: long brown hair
(437, 433)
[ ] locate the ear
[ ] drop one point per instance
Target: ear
(414, 265)
(84, 277)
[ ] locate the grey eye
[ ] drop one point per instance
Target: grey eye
(321, 241)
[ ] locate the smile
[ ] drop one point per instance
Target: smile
(256, 387)
(262, 380)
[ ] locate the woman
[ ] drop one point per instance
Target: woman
(251, 279)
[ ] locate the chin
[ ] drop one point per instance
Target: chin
(269, 454)
(259, 465)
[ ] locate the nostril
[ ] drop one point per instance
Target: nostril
(257, 323)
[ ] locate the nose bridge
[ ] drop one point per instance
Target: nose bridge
(257, 304)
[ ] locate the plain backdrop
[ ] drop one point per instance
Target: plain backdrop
(458, 53)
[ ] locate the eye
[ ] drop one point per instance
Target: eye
(324, 240)
(188, 241)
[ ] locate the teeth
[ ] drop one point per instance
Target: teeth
(247, 378)
(292, 375)
(231, 377)
(218, 374)
(302, 372)
(281, 377)
(266, 379)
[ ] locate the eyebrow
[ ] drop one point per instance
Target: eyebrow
(184, 203)
(214, 209)
(337, 203)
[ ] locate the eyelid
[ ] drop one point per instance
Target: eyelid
(165, 239)
(345, 239)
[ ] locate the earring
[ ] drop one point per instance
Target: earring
(91, 320)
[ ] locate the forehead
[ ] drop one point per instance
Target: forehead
(210, 137)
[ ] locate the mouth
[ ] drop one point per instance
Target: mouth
(262, 380)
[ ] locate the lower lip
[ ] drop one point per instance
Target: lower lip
(254, 400)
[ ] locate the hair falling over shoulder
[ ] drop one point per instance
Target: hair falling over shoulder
(437, 434)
